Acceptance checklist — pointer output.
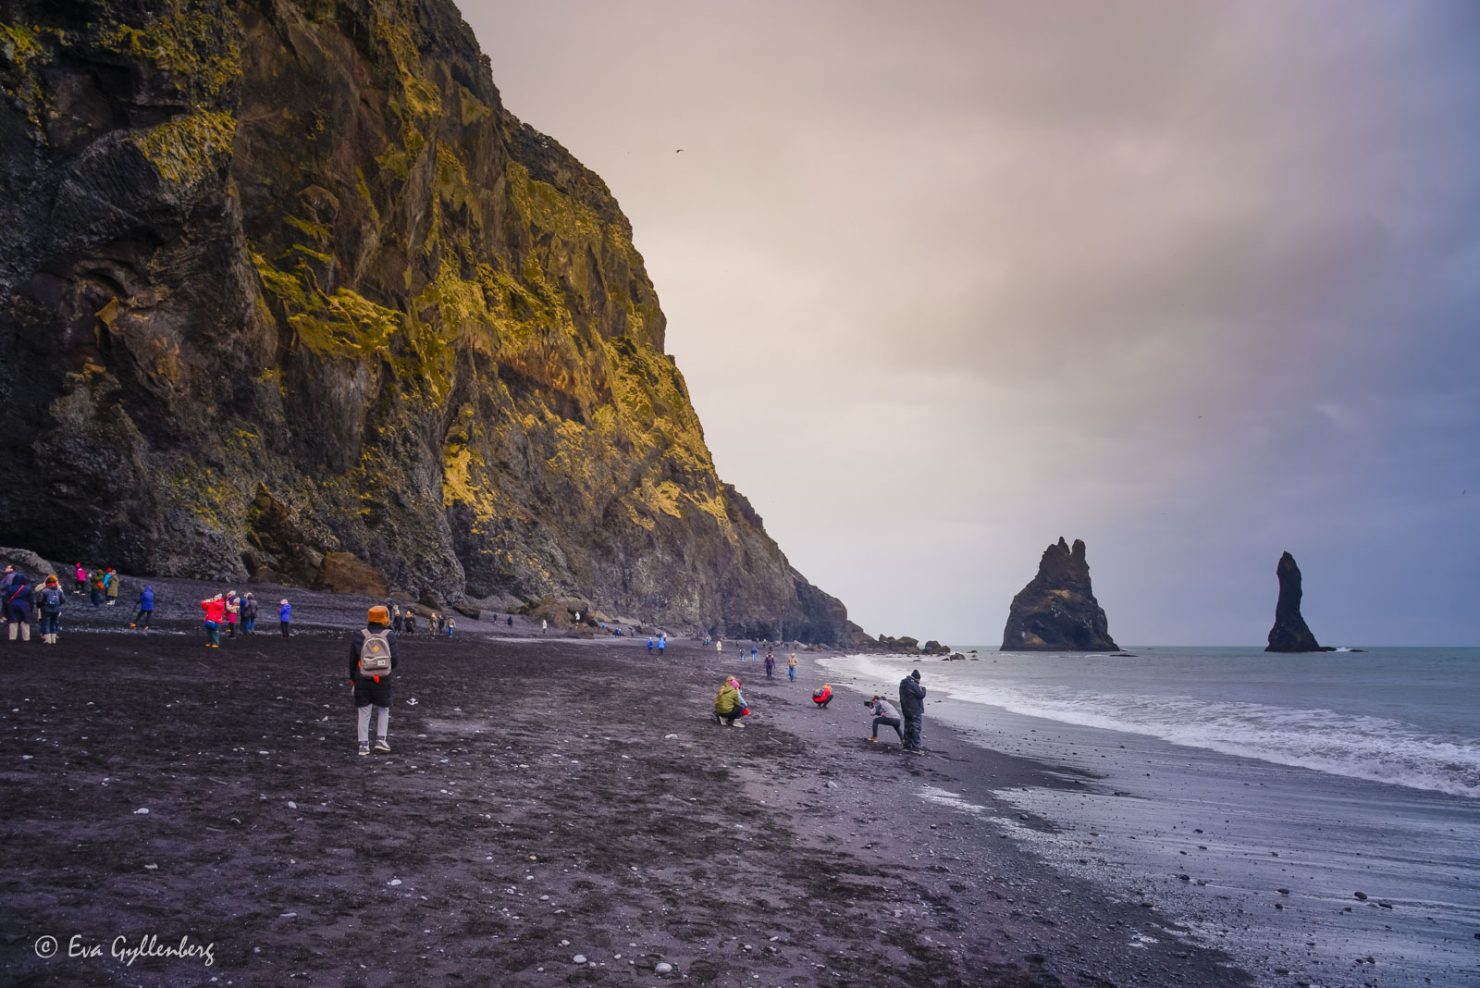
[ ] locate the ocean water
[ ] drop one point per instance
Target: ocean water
(1250, 795)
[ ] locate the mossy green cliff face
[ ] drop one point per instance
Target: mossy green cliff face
(283, 278)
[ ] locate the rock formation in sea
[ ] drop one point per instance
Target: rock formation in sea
(287, 293)
(1057, 611)
(1290, 633)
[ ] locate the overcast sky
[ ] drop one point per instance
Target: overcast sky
(1197, 283)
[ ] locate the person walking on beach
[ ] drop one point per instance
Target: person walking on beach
(662, 642)
(884, 713)
(770, 666)
(98, 580)
(79, 575)
(754, 652)
(912, 704)
(49, 601)
(823, 697)
(112, 583)
(144, 609)
(231, 610)
(213, 610)
(791, 667)
(371, 661)
(729, 704)
(249, 614)
(285, 616)
(17, 597)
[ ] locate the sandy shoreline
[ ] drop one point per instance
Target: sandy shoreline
(544, 800)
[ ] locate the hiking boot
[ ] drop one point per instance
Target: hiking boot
(872, 740)
(382, 746)
(364, 748)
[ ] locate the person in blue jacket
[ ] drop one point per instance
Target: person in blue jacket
(49, 600)
(144, 609)
(17, 601)
(285, 615)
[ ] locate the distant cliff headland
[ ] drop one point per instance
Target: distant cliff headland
(285, 293)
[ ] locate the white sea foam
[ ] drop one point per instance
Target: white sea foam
(1364, 747)
(944, 797)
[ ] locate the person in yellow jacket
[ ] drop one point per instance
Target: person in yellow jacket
(730, 705)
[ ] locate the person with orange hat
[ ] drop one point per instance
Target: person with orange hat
(50, 599)
(371, 662)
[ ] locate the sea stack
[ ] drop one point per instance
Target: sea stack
(1290, 632)
(1057, 612)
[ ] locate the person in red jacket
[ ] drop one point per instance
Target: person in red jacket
(214, 609)
(823, 696)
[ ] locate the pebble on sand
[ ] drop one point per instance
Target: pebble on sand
(578, 959)
(663, 967)
(142, 811)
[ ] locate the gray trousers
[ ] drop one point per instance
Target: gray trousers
(382, 722)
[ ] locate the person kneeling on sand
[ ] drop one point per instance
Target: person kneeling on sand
(823, 696)
(370, 663)
(884, 714)
(730, 704)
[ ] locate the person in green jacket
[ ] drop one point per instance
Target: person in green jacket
(730, 705)
(111, 585)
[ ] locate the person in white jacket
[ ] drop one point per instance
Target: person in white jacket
(884, 713)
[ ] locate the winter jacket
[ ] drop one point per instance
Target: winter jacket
(111, 584)
(883, 708)
(146, 599)
(285, 612)
(368, 691)
(18, 599)
(214, 609)
(231, 610)
(728, 700)
(55, 605)
(249, 608)
(911, 696)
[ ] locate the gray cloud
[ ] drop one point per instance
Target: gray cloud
(1197, 283)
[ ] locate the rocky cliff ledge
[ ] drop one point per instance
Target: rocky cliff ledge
(1290, 633)
(281, 282)
(1057, 611)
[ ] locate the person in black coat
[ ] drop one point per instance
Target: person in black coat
(912, 707)
(372, 691)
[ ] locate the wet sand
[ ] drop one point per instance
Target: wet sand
(544, 800)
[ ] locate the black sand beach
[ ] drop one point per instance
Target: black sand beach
(544, 801)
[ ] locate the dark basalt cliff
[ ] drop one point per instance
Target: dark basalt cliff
(1290, 633)
(1057, 612)
(281, 279)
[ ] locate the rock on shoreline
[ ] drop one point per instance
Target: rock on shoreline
(1057, 611)
(1290, 632)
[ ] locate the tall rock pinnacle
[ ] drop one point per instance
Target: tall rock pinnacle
(1290, 633)
(1057, 612)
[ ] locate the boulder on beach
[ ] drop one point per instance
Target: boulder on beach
(1290, 632)
(344, 572)
(1057, 611)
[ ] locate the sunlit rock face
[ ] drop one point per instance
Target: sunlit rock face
(283, 279)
